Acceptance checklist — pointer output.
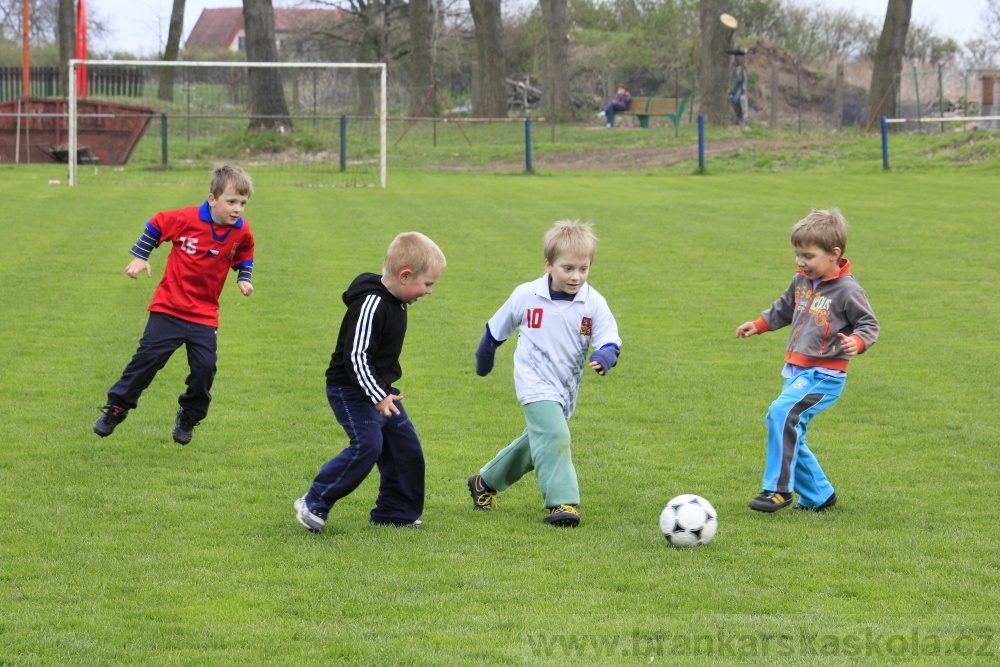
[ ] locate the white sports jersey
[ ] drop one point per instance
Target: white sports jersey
(553, 339)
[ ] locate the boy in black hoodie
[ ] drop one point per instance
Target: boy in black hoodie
(364, 365)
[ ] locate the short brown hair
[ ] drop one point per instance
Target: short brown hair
(826, 229)
(228, 175)
(572, 237)
(414, 251)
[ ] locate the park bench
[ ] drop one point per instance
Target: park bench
(644, 107)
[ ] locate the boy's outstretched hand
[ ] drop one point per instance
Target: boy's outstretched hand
(849, 344)
(746, 330)
(387, 407)
(245, 287)
(137, 266)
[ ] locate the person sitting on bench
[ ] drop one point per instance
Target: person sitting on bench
(619, 103)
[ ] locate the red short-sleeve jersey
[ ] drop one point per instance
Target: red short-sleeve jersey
(202, 256)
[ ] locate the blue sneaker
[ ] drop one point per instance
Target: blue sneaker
(314, 523)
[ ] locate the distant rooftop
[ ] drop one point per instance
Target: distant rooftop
(223, 28)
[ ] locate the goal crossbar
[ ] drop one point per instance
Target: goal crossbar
(72, 106)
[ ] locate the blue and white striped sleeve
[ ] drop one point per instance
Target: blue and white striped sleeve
(149, 240)
(244, 271)
(359, 351)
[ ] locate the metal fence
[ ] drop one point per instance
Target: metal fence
(45, 82)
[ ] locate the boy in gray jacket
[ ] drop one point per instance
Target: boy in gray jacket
(831, 321)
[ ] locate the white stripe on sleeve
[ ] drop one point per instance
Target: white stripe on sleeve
(359, 359)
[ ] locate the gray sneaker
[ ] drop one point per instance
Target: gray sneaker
(112, 417)
(183, 427)
(304, 515)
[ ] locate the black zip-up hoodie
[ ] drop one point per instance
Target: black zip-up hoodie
(370, 339)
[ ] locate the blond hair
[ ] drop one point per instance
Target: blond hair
(226, 176)
(414, 251)
(826, 229)
(570, 237)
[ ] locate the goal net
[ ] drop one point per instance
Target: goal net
(157, 122)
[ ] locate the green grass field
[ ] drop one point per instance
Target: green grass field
(134, 550)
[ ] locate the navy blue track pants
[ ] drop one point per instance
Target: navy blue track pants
(163, 335)
(391, 443)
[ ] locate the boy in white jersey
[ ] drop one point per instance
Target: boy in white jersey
(558, 317)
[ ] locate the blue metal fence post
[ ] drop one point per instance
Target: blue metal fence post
(343, 142)
(701, 143)
(885, 143)
(163, 137)
(527, 143)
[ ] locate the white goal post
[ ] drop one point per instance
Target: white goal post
(73, 102)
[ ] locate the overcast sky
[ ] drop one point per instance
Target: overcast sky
(140, 26)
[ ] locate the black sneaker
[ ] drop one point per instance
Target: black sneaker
(416, 523)
(563, 516)
(830, 502)
(771, 501)
(483, 497)
(112, 417)
(183, 427)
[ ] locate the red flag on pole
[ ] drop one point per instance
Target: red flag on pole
(81, 48)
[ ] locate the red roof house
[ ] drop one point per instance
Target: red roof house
(223, 28)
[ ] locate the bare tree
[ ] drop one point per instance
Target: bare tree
(368, 36)
(421, 69)
(489, 91)
(166, 91)
(267, 97)
(888, 60)
(557, 101)
(713, 70)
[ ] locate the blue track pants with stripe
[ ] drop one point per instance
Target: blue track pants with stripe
(791, 466)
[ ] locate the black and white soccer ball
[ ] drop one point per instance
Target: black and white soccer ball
(689, 520)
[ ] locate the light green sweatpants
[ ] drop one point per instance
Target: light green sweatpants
(543, 447)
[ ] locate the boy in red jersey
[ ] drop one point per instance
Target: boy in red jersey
(208, 241)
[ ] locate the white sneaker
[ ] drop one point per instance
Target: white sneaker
(600, 115)
(609, 126)
(307, 518)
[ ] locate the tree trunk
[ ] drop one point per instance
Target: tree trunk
(166, 91)
(421, 72)
(888, 60)
(489, 90)
(267, 98)
(372, 17)
(713, 71)
(67, 41)
(558, 103)
(363, 77)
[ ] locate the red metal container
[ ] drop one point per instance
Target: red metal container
(107, 132)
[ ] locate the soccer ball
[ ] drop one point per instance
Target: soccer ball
(688, 521)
